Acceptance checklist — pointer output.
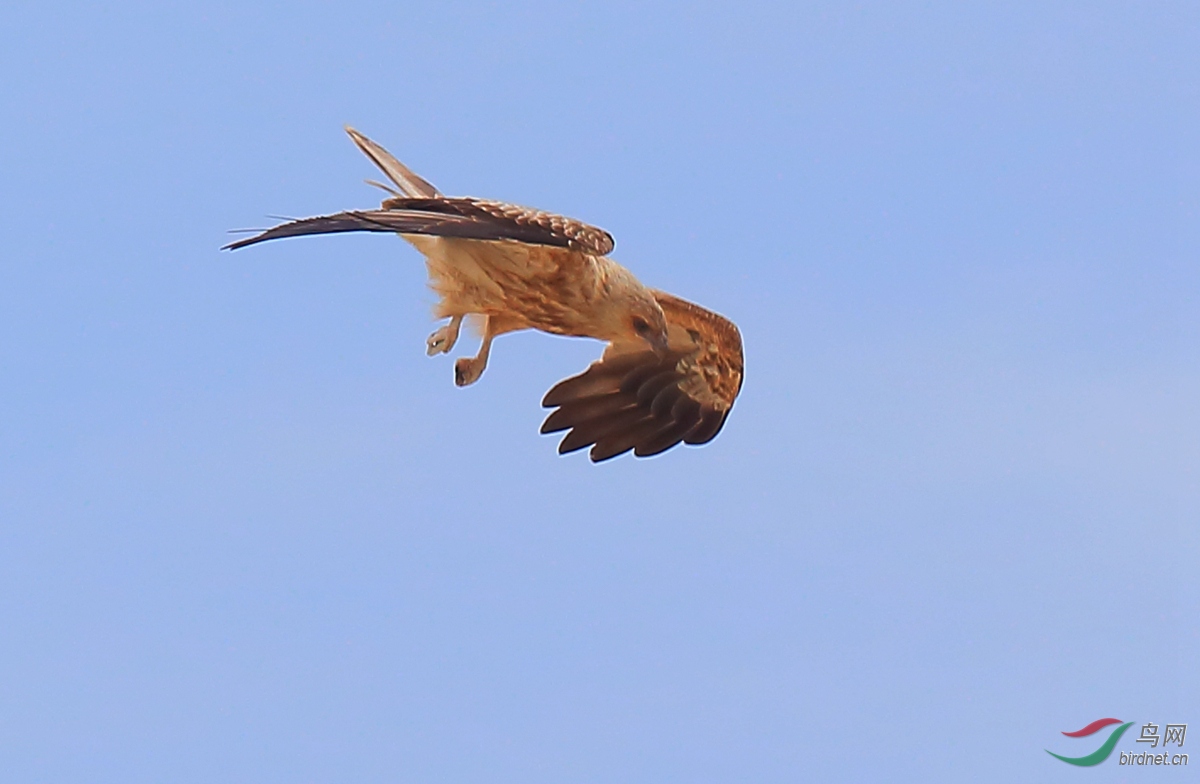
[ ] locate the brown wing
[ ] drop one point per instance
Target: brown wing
(466, 218)
(634, 399)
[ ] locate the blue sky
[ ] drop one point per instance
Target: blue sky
(251, 533)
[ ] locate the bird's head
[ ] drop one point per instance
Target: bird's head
(633, 313)
(647, 321)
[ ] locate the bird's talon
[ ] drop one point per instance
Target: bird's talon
(467, 371)
(441, 340)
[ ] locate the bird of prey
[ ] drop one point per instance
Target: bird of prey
(671, 370)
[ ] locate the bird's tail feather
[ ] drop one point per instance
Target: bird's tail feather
(411, 184)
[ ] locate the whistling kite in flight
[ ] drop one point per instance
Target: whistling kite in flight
(671, 370)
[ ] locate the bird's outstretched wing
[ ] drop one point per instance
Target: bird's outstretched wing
(424, 210)
(632, 398)
(465, 218)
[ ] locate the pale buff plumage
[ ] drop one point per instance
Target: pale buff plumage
(672, 369)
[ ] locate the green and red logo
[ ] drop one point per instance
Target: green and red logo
(1106, 748)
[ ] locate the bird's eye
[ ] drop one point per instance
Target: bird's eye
(640, 326)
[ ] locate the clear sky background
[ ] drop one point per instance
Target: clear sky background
(251, 533)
